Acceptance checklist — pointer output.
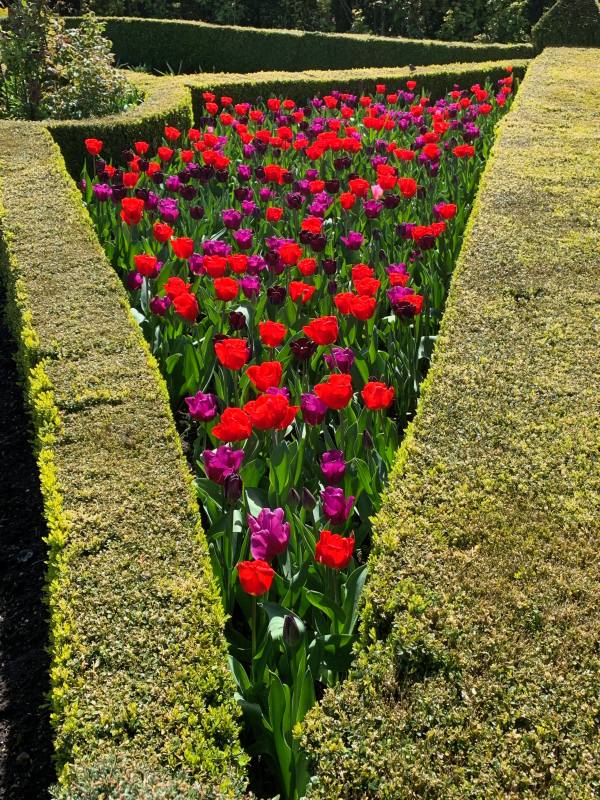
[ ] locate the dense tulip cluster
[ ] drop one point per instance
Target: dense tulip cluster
(289, 265)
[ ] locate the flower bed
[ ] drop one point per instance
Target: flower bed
(289, 266)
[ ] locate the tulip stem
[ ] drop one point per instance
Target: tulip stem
(253, 635)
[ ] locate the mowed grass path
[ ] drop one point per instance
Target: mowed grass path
(483, 682)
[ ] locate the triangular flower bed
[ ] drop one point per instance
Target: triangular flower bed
(289, 267)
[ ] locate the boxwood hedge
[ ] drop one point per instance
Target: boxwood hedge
(186, 46)
(572, 23)
(437, 79)
(138, 660)
(478, 668)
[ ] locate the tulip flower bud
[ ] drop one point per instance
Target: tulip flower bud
(308, 499)
(329, 266)
(367, 440)
(292, 632)
(232, 488)
(196, 212)
(237, 320)
(293, 497)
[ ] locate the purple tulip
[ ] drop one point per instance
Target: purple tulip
(333, 466)
(353, 241)
(232, 218)
(102, 191)
(244, 172)
(243, 238)
(269, 533)
(340, 358)
(202, 407)
(215, 247)
(313, 409)
(250, 286)
(160, 305)
(336, 506)
(134, 280)
(281, 390)
(222, 462)
(196, 264)
(168, 210)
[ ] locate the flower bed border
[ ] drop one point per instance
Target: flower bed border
(477, 671)
(90, 379)
(199, 46)
(139, 670)
(171, 99)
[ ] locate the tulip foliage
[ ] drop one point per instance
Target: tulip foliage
(289, 266)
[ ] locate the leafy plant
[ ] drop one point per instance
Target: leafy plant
(48, 70)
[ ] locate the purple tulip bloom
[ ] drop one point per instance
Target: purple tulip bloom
(372, 208)
(336, 506)
(313, 409)
(340, 358)
(102, 191)
(134, 280)
(232, 218)
(168, 210)
(222, 462)
(250, 286)
(196, 264)
(279, 390)
(160, 305)
(269, 533)
(244, 172)
(353, 241)
(243, 238)
(202, 407)
(333, 466)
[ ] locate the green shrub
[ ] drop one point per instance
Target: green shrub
(568, 23)
(138, 657)
(49, 71)
(199, 47)
(477, 673)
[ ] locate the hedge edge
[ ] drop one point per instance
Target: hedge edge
(301, 86)
(104, 704)
(192, 46)
(476, 673)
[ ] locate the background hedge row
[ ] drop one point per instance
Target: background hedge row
(139, 681)
(478, 669)
(168, 99)
(186, 46)
(568, 23)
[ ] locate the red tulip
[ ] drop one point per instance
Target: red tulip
(322, 331)
(271, 412)
(265, 375)
(232, 353)
(272, 334)
(94, 146)
(183, 247)
(255, 577)
(226, 288)
(234, 426)
(377, 395)
(333, 550)
(336, 391)
(186, 305)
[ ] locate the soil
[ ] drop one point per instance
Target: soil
(26, 769)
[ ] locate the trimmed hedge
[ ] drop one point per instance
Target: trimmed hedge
(570, 23)
(478, 669)
(139, 673)
(185, 46)
(300, 86)
(166, 102)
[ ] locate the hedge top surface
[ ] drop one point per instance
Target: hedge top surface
(138, 658)
(478, 671)
(190, 46)
(569, 23)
